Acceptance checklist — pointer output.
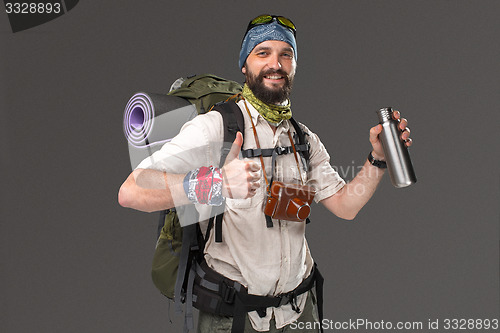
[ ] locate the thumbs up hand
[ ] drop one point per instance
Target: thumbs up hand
(241, 178)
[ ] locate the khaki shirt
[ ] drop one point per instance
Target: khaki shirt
(268, 261)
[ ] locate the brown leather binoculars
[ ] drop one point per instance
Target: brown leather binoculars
(289, 202)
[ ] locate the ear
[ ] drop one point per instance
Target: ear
(244, 69)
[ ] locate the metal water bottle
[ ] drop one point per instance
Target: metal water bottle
(396, 153)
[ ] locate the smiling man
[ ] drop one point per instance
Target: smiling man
(263, 265)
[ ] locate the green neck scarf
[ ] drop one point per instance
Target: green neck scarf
(271, 112)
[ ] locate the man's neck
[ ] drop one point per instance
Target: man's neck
(272, 113)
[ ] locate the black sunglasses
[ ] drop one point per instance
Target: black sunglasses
(266, 19)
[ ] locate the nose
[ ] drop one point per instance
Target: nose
(274, 62)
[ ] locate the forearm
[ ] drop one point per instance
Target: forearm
(151, 190)
(347, 202)
(353, 196)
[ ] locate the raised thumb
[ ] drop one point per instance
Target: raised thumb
(235, 148)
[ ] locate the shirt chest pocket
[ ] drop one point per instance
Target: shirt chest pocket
(254, 202)
(287, 171)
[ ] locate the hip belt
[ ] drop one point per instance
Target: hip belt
(216, 294)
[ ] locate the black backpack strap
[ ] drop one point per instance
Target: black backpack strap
(304, 145)
(319, 293)
(268, 152)
(161, 222)
(192, 245)
(233, 122)
(188, 317)
(188, 241)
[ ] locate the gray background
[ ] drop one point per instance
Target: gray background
(73, 260)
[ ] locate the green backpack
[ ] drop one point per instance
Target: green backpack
(204, 91)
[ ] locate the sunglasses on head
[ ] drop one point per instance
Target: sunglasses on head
(266, 19)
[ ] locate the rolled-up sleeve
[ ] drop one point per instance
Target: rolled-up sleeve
(321, 174)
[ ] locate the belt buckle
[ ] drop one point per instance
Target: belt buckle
(227, 292)
(284, 299)
(280, 150)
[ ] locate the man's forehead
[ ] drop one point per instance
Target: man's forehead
(274, 44)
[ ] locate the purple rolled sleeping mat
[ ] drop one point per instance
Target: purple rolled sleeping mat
(150, 120)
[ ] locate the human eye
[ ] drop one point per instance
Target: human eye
(288, 53)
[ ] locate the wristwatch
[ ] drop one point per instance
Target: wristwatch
(377, 163)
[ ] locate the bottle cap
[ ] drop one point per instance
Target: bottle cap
(384, 114)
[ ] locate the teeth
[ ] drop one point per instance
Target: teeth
(274, 77)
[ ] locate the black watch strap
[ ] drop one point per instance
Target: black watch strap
(377, 163)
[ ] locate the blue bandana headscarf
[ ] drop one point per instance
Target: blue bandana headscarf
(263, 32)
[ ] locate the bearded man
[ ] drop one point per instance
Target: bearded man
(270, 261)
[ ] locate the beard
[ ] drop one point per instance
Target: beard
(276, 95)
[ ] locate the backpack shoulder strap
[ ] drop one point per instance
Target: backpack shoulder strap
(304, 147)
(233, 122)
(302, 138)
